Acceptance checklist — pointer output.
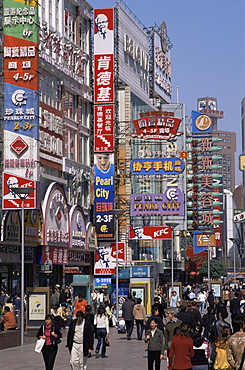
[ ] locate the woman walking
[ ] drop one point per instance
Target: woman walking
(219, 353)
(201, 352)
(154, 345)
(181, 350)
(140, 317)
(101, 322)
(52, 336)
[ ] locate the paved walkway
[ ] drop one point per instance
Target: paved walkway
(122, 355)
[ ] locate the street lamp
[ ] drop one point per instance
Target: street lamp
(234, 240)
(117, 213)
(22, 193)
(172, 225)
(208, 233)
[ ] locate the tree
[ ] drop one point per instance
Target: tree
(217, 269)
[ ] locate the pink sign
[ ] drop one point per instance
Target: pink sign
(104, 128)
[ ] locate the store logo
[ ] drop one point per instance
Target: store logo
(18, 97)
(203, 122)
(38, 304)
(19, 145)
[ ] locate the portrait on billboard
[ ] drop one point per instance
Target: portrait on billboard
(104, 163)
(105, 258)
(103, 31)
(47, 261)
(11, 183)
(139, 233)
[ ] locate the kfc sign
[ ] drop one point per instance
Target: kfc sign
(10, 199)
(150, 232)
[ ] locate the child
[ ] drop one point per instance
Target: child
(154, 345)
(121, 326)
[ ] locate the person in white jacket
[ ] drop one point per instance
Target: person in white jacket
(102, 328)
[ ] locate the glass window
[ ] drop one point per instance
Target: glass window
(70, 143)
(70, 21)
(70, 105)
(83, 36)
(50, 89)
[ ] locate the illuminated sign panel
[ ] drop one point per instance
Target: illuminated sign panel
(157, 166)
(150, 232)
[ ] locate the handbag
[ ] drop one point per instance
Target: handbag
(39, 345)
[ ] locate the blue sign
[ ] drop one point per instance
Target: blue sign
(21, 110)
(99, 282)
(157, 166)
(140, 271)
(201, 123)
(198, 249)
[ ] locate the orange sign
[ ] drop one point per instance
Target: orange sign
(204, 240)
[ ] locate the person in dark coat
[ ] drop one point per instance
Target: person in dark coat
(235, 306)
(215, 328)
(159, 306)
(195, 315)
(219, 306)
(210, 298)
(52, 335)
(80, 341)
(183, 315)
(127, 314)
(207, 320)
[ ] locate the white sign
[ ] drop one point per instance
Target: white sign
(37, 306)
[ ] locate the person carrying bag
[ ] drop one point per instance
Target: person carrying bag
(51, 336)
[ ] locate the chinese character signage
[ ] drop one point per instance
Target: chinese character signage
(104, 128)
(171, 203)
(78, 227)
(104, 121)
(104, 194)
(161, 128)
(157, 166)
(37, 306)
(54, 256)
(21, 85)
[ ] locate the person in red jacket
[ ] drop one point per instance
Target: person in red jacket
(8, 321)
(81, 304)
(181, 350)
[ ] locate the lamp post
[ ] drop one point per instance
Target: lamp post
(172, 225)
(22, 193)
(234, 240)
(208, 233)
(117, 213)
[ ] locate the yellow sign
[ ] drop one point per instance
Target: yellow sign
(206, 240)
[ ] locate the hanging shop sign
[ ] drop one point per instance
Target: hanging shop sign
(105, 258)
(56, 226)
(157, 166)
(150, 232)
(10, 199)
(78, 227)
(170, 203)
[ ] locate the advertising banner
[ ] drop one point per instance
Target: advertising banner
(104, 31)
(104, 78)
(170, 203)
(105, 258)
(54, 256)
(78, 228)
(150, 232)
(104, 194)
(10, 199)
(160, 128)
(37, 306)
(149, 166)
(104, 128)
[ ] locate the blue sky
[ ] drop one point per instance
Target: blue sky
(208, 55)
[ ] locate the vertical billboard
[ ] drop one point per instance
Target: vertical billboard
(162, 64)
(20, 26)
(104, 122)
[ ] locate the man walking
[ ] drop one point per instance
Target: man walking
(173, 323)
(79, 341)
(127, 314)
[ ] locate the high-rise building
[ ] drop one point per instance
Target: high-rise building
(209, 107)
